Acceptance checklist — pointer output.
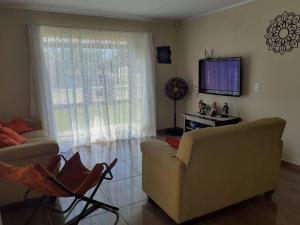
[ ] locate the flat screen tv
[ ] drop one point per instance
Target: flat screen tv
(220, 76)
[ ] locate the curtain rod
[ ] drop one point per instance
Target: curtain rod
(84, 28)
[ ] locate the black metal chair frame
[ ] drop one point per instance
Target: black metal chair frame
(90, 206)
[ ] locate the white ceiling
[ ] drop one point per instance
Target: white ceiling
(133, 9)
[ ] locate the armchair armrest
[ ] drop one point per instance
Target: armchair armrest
(162, 154)
(156, 149)
(162, 176)
(43, 146)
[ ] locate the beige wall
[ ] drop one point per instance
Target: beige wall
(14, 70)
(240, 32)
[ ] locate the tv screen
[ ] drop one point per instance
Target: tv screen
(220, 76)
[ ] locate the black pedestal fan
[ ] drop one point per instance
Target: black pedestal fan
(176, 89)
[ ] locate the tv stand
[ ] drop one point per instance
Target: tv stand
(194, 121)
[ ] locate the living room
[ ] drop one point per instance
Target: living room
(88, 114)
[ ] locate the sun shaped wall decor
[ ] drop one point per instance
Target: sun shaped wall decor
(283, 33)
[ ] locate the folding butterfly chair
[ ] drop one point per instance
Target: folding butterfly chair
(73, 180)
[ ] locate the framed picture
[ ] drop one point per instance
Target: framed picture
(164, 55)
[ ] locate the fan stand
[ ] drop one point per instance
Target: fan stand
(175, 131)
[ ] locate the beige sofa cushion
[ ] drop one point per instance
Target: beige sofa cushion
(34, 134)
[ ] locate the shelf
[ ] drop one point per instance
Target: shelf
(207, 121)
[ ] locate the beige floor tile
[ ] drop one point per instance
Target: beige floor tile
(135, 163)
(145, 213)
(103, 219)
(121, 171)
(121, 151)
(124, 192)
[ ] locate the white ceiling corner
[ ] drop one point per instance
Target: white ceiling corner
(163, 10)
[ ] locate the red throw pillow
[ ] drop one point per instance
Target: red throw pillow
(19, 126)
(173, 142)
(6, 141)
(12, 134)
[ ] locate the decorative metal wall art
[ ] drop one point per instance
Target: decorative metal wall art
(164, 55)
(283, 34)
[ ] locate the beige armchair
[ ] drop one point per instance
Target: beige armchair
(37, 149)
(213, 168)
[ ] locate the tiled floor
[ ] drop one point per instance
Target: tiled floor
(125, 191)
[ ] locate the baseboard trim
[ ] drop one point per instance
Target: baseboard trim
(178, 132)
(161, 131)
(290, 166)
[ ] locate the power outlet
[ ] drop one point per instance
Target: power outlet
(195, 87)
(257, 87)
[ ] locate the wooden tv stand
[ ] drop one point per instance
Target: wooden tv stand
(194, 121)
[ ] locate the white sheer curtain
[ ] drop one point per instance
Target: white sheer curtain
(92, 85)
